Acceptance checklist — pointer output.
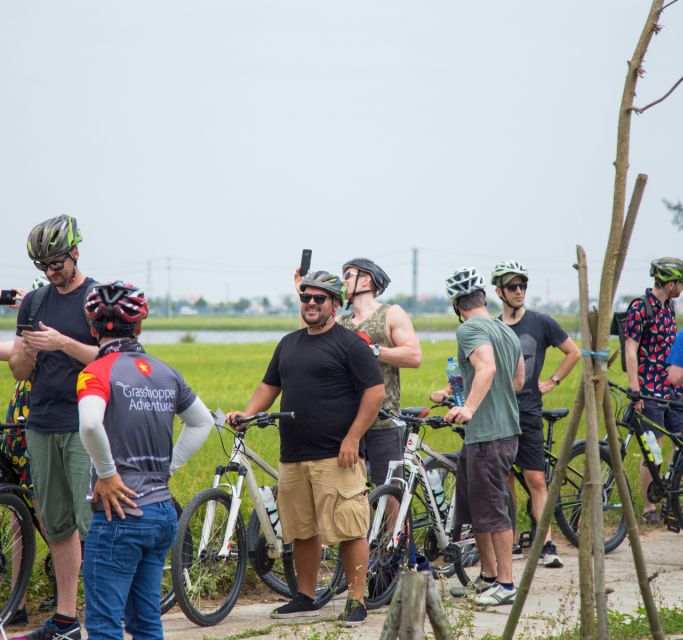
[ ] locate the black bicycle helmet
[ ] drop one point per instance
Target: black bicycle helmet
(116, 308)
(379, 277)
(53, 238)
(326, 281)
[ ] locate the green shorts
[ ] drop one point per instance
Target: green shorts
(60, 467)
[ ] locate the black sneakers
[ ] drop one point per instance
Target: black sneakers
(549, 557)
(354, 614)
(50, 631)
(300, 607)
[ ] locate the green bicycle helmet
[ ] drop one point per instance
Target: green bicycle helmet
(325, 281)
(463, 282)
(666, 269)
(509, 268)
(53, 238)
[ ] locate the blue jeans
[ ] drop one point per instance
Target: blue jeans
(122, 566)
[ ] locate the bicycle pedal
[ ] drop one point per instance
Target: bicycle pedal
(525, 539)
(674, 527)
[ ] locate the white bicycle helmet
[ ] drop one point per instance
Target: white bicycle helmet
(510, 268)
(464, 281)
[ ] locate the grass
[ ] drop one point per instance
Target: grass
(226, 375)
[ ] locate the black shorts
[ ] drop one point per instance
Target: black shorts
(481, 485)
(381, 447)
(530, 454)
(670, 419)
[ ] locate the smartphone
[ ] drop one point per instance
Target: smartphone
(305, 261)
(27, 327)
(8, 296)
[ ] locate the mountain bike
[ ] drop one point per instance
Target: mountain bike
(568, 508)
(18, 524)
(667, 486)
(209, 557)
(416, 511)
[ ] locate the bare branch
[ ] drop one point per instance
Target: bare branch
(640, 110)
(669, 4)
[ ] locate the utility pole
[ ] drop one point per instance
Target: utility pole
(414, 283)
(168, 284)
(149, 279)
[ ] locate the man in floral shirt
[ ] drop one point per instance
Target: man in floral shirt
(649, 337)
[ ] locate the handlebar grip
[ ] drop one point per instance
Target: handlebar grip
(244, 420)
(284, 414)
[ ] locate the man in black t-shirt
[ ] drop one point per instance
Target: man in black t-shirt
(536, 332)
(331, 381)
(52, 354)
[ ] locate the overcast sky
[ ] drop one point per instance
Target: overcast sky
(227, 136)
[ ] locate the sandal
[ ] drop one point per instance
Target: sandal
(652, 518)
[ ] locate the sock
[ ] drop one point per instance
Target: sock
(507, 585)
(63, 622)
(487, 579)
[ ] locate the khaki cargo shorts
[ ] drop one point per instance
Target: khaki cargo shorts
(319, 497)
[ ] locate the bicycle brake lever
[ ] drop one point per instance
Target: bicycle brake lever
(219, 418)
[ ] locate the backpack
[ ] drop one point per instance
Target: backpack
(618, 325)
(39, 296)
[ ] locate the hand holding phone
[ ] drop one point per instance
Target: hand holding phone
(25, 327)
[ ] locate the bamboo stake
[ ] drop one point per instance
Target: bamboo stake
(593, 484)
(544, 523)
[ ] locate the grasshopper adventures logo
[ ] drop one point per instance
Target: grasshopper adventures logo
(148, 398)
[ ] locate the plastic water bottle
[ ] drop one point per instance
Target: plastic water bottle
(271, 507)
(654, 446)
(437, 488)
(456, 381)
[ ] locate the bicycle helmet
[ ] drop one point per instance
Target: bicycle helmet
(53, 238)
(463, 282)
(509, 268)
(116, 308)
(325, 281)
(379, 277)
(40, 281)
(667, 269)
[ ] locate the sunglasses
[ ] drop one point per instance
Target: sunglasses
(350, 274)
(513, 287)
(57, 265)
(318, 298)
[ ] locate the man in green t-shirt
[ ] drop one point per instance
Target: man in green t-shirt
(490, 356)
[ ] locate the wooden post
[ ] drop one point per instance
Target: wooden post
(592, 534)
(553, 494)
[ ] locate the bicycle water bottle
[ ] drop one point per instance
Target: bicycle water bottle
(455, 380)
(651, 440)
(437, 488)
(271, 507)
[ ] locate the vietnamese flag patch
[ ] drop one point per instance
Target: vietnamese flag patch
(143, 367)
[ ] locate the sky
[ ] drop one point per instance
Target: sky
(202, 145)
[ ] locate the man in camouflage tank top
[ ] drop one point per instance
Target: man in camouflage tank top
(389, 333)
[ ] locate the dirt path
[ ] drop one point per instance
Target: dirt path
(552, 601)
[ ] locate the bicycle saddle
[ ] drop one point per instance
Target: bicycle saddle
(415, 412)
(555, 413)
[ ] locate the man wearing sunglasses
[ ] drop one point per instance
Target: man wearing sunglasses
(330, 380)
(536, 332)
(52, 345)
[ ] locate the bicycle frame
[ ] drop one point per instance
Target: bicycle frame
(241, 457)
(415, 470)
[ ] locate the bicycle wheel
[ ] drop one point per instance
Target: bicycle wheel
(206, 582)
(568, 508)
(17, 552)
(385, 566)
(167, 593)
(270, 570)
(424, 534)
(676, 498)
(466, 561)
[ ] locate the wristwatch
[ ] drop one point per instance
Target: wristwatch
(375, 350)
(555, 379)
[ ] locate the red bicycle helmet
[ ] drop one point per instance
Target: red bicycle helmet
(115, 308)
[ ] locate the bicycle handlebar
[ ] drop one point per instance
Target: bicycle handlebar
(263, 419)
(635, 396)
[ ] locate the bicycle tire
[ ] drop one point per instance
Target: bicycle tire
(207, 586)
(568, 508)
(272, 571)
(466, 560)
(424, 534)
(167, 593)
(677, 497)
(384, 568)
(16, 532)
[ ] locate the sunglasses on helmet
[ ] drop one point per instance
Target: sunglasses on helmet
(318, 298)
